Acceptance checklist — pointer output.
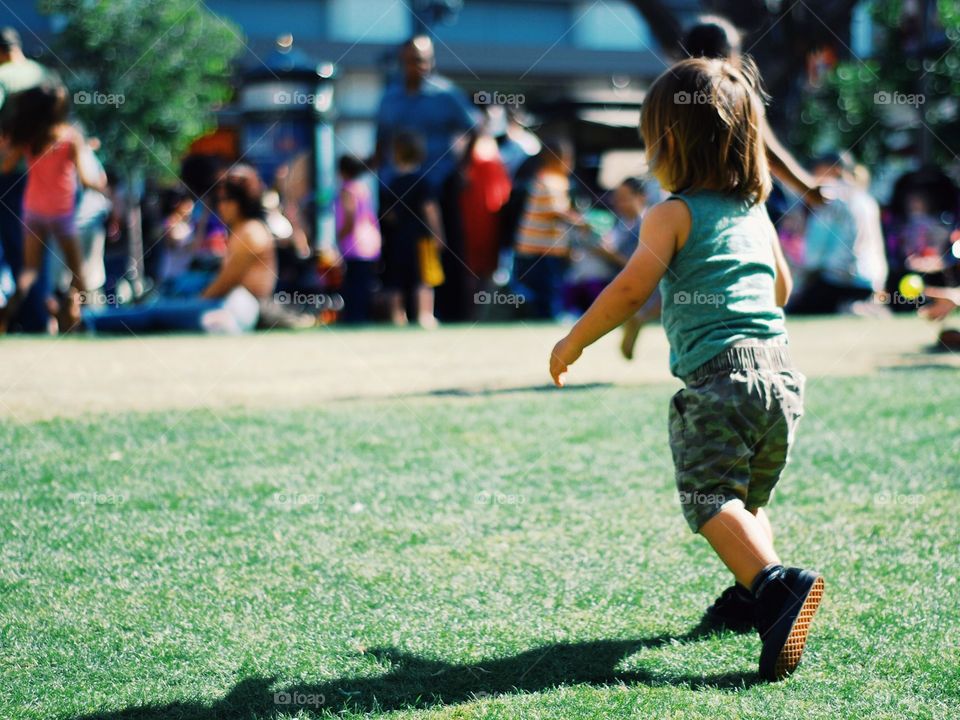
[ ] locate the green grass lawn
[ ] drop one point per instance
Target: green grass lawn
(502, 555)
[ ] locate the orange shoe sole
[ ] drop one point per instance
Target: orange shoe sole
(793, 648)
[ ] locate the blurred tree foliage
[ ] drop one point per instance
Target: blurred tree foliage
(144, 75)
(902, 101)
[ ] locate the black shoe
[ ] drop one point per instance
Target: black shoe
(786, 604)
(734, 610)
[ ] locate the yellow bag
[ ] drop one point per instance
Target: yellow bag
(431, 270)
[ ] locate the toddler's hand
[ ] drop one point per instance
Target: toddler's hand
(565, 353)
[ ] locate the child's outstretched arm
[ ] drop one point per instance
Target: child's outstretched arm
(945, 301)
(97, 181)
(786, 168)
(666, 225)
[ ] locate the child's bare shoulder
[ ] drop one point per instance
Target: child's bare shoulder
(672, 207)
(672, 214)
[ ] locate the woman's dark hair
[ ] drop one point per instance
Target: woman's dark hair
(201, 173)
(242, 185)
(712, 37)
(634, 185)
(408, 147)
(351, 167)
(34, 114)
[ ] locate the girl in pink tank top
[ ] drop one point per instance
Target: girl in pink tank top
(51, 190)
(38, 130)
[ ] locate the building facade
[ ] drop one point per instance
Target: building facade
(599, 52)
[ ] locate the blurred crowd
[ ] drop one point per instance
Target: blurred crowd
(463, 212)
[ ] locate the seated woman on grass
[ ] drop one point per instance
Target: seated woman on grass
(232, 302)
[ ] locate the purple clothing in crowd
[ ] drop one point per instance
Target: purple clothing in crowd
(363, 243)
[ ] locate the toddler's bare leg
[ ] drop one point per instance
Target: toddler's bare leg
(742, 542)
(764, 520)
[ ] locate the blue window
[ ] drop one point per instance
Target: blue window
(610, 25)
(370, 21)
(509, 23)
(305, 20)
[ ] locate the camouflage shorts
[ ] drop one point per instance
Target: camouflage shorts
(731, 429)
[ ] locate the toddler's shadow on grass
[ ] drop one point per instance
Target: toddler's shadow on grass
(415, 682)
(488, 392)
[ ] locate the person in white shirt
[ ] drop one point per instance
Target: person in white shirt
(845, 258)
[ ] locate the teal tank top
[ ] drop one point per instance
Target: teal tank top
(720, 288)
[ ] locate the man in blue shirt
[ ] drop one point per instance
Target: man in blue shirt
(431, 106)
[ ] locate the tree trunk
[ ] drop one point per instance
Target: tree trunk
(134, 219)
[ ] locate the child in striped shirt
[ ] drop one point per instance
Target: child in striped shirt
(543, 245)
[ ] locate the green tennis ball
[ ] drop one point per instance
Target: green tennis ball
(911, 286)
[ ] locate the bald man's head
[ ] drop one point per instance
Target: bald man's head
(10, 48)
(417, 60)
